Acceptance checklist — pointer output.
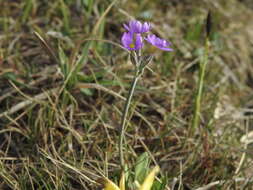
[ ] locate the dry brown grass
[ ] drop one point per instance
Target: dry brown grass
(67, 140)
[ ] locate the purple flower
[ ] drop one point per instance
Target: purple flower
(135, 26)
(132, 41)
(158, 42)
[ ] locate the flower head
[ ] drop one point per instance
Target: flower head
(132, 41)
(135, 26)
(158, 42)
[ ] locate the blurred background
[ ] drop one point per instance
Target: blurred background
(63, 76)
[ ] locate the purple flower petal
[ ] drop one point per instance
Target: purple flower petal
(146, 27)
(158, 42)
(135, 26)
(132, 41)
(138, 41)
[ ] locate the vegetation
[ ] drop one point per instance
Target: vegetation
(64, 79)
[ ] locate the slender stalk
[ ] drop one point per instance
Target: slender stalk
(199, 94)
(124, 116)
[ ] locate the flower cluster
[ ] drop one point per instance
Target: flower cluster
(133, 38)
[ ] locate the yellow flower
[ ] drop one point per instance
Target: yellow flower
(147, 184)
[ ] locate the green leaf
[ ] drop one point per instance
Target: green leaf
(64, 61)
(86, 91)
(160, 185)
(141, 169)
(26, 10)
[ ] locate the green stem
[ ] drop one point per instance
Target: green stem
(199, 94)
(123, 119)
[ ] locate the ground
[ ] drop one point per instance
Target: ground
(64, 77)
